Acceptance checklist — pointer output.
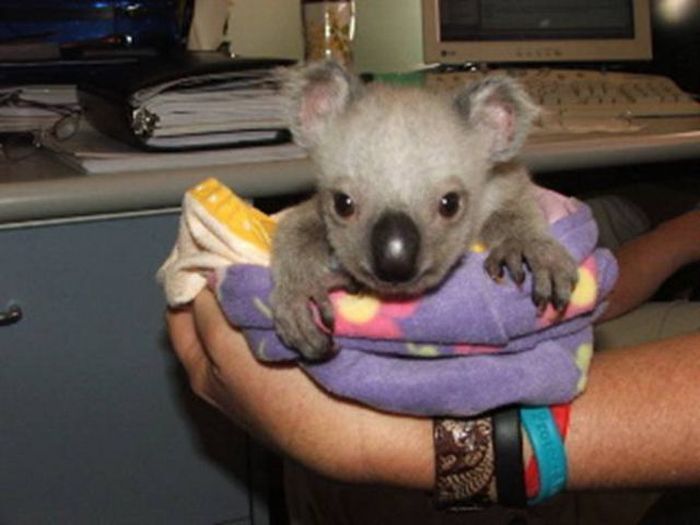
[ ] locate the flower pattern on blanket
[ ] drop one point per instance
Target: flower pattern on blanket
(368, 317)
(583, 298)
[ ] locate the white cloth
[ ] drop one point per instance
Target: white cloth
(203, 245)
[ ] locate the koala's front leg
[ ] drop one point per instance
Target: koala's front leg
(302, 272)
(517, 234)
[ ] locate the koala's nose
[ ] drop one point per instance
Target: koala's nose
(395, 243)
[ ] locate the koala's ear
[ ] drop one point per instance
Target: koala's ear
(501, 108)
(315, 94)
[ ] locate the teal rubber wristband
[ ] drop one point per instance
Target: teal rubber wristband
(548, 448)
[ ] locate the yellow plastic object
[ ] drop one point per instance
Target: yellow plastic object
(239, 217)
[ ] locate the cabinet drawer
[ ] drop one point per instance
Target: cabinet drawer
(98, 424)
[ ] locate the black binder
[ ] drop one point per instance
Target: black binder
(192, 100)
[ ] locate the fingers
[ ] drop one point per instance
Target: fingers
(195, 334)
(208, 314)
(226, 349)
(208, 346)
(185, 342)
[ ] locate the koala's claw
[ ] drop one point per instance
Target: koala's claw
(325, 311)
(554, 271)
(295, 325)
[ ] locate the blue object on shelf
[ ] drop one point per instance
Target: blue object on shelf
(78, 26)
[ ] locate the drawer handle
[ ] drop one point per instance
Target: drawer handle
(12, 315)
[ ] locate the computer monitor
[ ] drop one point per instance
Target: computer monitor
(519, 31)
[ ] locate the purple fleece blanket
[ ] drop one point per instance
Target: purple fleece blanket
(470, 346)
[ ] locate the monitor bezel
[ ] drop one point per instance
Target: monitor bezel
(523, 51)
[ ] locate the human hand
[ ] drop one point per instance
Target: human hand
(281, 406)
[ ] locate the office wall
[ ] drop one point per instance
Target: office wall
(266, 28)
(387, 39)
(389, 35)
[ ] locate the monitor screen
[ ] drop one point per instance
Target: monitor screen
(497, 31)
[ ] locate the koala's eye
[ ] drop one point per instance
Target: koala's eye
(449, 204)
(344, 205)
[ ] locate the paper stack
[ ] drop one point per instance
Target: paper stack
(221, 108)
(190, 101)
(94, 153)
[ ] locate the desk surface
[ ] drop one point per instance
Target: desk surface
(42, 188)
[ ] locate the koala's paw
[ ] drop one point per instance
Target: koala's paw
(554, 271)
(295, 325)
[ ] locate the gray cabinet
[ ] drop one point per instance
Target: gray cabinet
(97, 424)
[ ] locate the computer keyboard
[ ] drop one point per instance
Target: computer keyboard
(583, 100)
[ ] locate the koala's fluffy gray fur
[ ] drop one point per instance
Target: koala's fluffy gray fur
(406, 179)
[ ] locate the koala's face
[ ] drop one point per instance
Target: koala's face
(401, 182)
(404, 175)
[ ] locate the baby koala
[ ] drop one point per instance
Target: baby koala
(406, 181)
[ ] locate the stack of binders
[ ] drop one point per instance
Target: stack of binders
(187, 102)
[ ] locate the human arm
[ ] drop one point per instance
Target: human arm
(647, 261)
(636, 425)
